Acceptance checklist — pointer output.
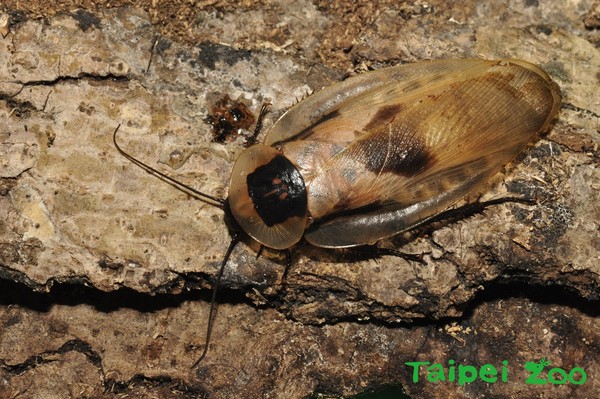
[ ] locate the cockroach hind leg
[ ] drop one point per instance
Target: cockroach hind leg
(406, 256)
(474, 208)
(374, 252)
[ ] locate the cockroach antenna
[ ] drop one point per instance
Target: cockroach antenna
(213, 302)
(219, 202)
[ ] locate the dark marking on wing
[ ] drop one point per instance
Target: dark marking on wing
(326, 117)
(499, 80)
(413, 86)
(310, 130)
(393, 149)
(345, 212)
(384, 115)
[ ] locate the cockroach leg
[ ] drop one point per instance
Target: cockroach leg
(288, 262)
(374, 252)
(260, 251)
(288, 265)
(259, 123)
(474, 208)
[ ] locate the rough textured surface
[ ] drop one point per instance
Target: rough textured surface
(119, 251)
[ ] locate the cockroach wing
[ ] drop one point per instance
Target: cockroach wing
(341, 111)
(397, 152)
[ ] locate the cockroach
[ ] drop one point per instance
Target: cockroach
(381, 153)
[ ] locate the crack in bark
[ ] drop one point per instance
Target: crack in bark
(22, 108)
(65, 78)
(74, 345)
(573, 107)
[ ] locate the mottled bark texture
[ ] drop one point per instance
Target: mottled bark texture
(106, 271)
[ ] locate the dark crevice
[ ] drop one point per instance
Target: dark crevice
(504, 289)
(537, 293)
(74, 345)
(22, 109)
(573, 107)
(61, 79)
(78, 291)
(497, 291)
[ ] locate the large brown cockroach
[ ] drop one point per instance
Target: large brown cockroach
(382, 152)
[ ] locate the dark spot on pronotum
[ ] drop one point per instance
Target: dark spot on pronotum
(399, 152)
(383, 116)
(277, 191)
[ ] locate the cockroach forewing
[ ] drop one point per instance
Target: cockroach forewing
(341, 110)
(338, 100)
(410, 148)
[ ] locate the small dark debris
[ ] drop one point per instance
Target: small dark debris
(169, 384)
(526, 189)
(228, 117)
(408, 11)
(108, 264)
(545, 29)
(591, 20)
(16, 17)
(20, 109)
(86, 108)
(8, 253)
(237, 83)
(545, 151)
(12, 320)
(30, 250)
